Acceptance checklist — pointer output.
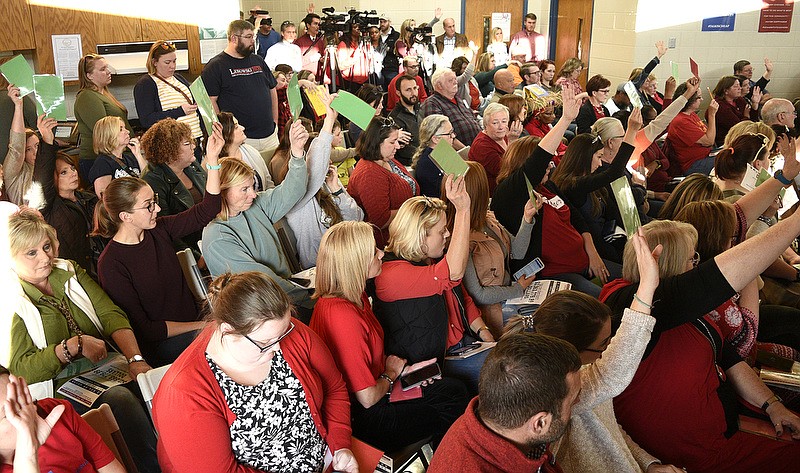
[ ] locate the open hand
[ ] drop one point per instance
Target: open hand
(20, 410)
(456, 192)
(571, 105)
(787, 146)
(662, 49)
(215, 143)
(647, 263)
(13, 94)
(298, 135)
(45, 126)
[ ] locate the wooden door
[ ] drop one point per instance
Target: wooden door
(117, 29)
(16, 28)
(574, 33)
(153, 30)
(479, 13)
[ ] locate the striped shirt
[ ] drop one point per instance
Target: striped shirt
(171, 98)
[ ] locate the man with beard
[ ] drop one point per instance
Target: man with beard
(239, 81)
(405, 115)
(527, 388)
(312, 45)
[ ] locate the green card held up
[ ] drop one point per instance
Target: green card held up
(674, 70)
(18, 72)
(626, 204)
(201, 98)
(295, 101)
(49, 93)
(448, 160)
(353, 108)
(531, 192)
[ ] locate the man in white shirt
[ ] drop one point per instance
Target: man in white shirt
(285, 52)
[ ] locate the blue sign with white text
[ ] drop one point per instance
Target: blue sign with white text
(719, 23)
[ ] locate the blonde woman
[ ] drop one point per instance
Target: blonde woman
(343, 318)
(118, 155)
(424, 309)
(498, 47)
(93, 102)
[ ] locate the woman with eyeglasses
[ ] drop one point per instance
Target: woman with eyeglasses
(594, 109)
(162, 93)
(256, 391)
(343, 318)
(326, 201)
(593, 441)
(60, 323)
(434, 128)
(93, 102)
(173, 172)
(139, 268)
(684, 401)
(733, 106)
(380, 183)
(243, 236)
(569, 73)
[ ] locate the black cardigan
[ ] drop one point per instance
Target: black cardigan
(148, 105)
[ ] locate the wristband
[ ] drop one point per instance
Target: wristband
(636, 296)
(80, 346)
(67, 355)
(213, 167)
(780, 177)
(389, 379)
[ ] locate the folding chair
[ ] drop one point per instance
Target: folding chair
(102, 421)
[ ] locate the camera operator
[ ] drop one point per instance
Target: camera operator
(312, 46)
(391, 64)
(352, 58)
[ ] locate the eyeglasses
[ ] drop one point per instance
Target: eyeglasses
(151, 207)
(605, 91)
(695, 259)
(278, 340)
(601, 350)
(451, 133)
(246, 36)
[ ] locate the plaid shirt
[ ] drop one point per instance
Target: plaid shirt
(463, 120)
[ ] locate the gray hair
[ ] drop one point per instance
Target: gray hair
(437, 75)
(427, 130)
(772, 108)
(492, 109)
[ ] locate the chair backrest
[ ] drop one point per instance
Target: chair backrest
(192, 274)
(148, 383)
(288, 244)
(102, 421)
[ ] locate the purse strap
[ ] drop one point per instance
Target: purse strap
(188, 99)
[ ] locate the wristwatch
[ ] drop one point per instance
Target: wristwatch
(772, 400)
(783, 179)
(136, 359)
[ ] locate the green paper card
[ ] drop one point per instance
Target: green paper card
(18, 72)
(203, 101)
(674, 70)
(353, 108)
(626, 204)
(49, 93)
(448, 160)
(531, 193)
(295, 101)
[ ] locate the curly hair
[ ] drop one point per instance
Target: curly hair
(162, 142)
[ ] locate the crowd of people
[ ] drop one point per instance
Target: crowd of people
(645, 364)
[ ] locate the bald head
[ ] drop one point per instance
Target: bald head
(778, 111)
(504, 81)
(449, 25)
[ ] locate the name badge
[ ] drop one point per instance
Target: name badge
(556, 202)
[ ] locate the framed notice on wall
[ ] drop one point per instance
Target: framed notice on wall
(776, 16)
(67, 52)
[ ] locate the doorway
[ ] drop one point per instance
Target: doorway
(479, 11)
(574, 33)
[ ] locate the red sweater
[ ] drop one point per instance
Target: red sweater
(489, 154)
(355, 338)
(400, 279)
(683, 133)
(72, 445)
(379, 191)
(193, 419)
(393, 97)
(470, 446)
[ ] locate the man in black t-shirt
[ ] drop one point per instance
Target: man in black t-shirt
(239, 81)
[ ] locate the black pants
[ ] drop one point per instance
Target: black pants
(390, 426)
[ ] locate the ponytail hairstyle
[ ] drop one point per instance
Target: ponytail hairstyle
(119, 196)
(245, 301)
(569, 315)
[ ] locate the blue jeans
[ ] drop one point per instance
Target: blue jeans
(703, 166)
(582, 283)
(467, 370)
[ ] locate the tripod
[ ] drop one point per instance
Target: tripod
(330, 60)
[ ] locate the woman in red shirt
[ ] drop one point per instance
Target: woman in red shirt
(256, 391)
(733, 106)
(380, 183)
(490, 144)
(343, 318)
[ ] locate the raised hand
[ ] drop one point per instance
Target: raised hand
(215, 143)
(647, 262)
(662, 49)
(669, 87)
(787, 146)
(20, 410)
(692, 86)
(768, 65)
(437, 13)
(298, 135)
(756, 97)
(514, 130)
(635, 120)
(13, 94)
(713, 105)
(456, 192)
(45, 126)
(570, 104)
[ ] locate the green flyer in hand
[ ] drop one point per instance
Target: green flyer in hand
(49, 93)
(627, 205)
(448, 160)
(295, 101)
(531, 192)
(203, 102)
(353, 108)
(18, 72)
